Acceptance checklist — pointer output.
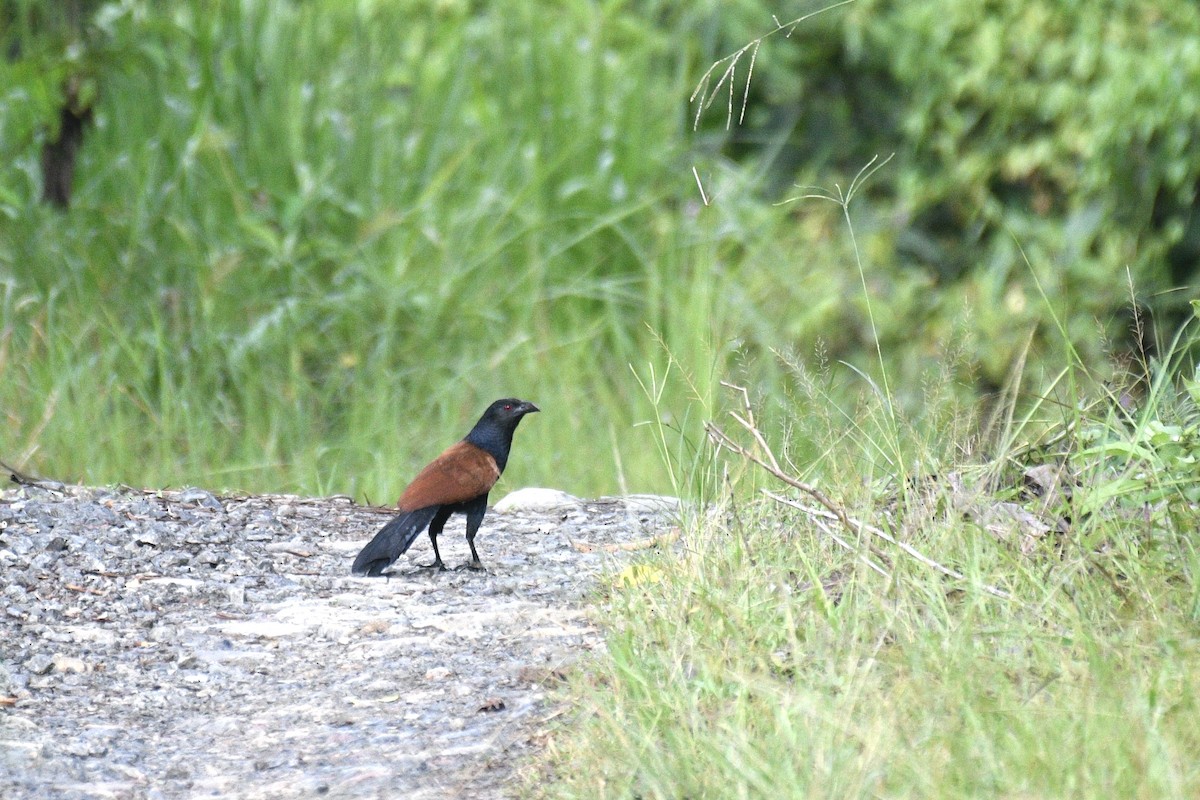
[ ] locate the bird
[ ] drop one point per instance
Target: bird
(456, 482)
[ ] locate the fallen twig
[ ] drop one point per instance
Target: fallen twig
(832, 510)
(820, 523)
(641, 544)
(771, 465)
(887, 537)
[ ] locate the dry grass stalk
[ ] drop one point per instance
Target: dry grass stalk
(766, 459)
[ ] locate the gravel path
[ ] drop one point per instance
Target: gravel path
(181, 644)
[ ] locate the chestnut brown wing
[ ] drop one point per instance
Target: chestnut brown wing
(462, 472)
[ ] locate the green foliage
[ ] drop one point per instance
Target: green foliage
(46, 45)
(296, 232)
(1142, 457)
(300, 227)
(311, 240)
(1049, 142)
(763, 660)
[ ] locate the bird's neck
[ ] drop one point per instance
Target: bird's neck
(496, 442)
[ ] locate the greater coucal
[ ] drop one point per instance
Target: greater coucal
(456, 482)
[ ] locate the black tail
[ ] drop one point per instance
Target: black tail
(391, 541)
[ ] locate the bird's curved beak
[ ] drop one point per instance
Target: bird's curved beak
(529, 408)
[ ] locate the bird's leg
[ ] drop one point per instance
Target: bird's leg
(437, 559)
(474, 519)
(474, 563)
(435, 527)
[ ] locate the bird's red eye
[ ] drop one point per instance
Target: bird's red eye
(508, 406)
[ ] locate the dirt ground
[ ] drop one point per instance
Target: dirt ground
(182, 644)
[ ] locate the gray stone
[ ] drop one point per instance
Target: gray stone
(40, 664)
(181, 645)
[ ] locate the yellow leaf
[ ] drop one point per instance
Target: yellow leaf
(638, 574)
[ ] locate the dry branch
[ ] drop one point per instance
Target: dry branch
(832, 510)
(616, 547)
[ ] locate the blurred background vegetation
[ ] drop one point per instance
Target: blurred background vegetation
(285, 245)
(298, 245)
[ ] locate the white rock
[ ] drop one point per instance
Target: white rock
(660, 503)
(65, 663)
(437, 674)
(81, 633)
(535, 499)
(262, 629)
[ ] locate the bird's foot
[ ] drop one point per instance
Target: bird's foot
(438, 565)
(474, 566)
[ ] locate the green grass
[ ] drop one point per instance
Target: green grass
(310, 242)
(325, 247)
(731, 672)
(336, 231)
(879, 626)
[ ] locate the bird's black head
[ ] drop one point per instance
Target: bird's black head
(494, 431)
(508, 411)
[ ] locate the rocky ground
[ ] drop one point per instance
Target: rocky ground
(181, 644)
